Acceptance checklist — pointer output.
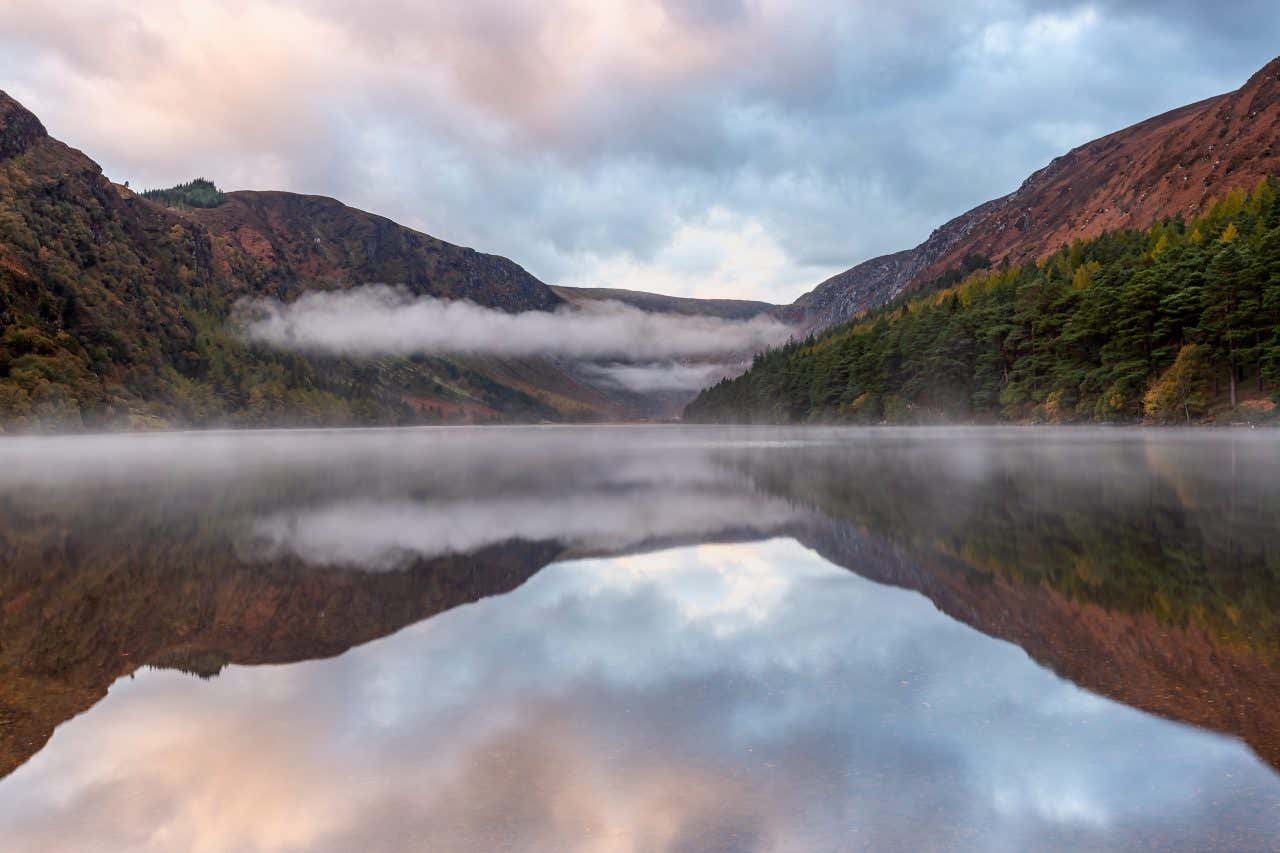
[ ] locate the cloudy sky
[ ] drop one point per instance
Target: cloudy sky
(697, 147)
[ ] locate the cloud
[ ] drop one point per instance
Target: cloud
(382, 535)
(376, 319)
(587, 138)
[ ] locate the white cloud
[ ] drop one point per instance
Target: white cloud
(379, 535)
(702, 148)
(377, 319)
(721, 256)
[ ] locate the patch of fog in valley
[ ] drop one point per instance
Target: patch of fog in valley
(617, 344)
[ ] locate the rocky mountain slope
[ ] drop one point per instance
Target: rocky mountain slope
(1175, 163)
(284, 244)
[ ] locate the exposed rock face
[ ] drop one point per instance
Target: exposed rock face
(19, 129)
(284, 243)
(879, 280)
(1175, 163)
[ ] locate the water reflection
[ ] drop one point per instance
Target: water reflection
(715, 698)
(623, 690)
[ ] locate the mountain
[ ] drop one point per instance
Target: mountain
(1179, 323)
(1135, 278)
(1174, 164)
(115, 308)
(285, 244)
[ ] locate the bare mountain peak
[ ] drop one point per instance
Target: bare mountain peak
(19, 128)
(1267, 76)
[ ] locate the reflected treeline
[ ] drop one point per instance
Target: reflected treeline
(1183, 527)
(1143, 566)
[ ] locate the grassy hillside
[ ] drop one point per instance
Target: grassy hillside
(1178, 323)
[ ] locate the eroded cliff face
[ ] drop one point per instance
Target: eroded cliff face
(1173, 164)
(284, 244)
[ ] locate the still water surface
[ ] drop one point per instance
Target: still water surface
(641, 639)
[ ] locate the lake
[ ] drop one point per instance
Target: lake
(641, 639)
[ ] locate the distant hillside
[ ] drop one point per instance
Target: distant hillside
(726, 309)
(1174, 164)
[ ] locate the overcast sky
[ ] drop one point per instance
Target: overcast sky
(696, 147)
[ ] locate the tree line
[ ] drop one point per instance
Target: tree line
(200, 192)
(1176, 323)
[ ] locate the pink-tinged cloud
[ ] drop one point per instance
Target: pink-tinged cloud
(589, 139)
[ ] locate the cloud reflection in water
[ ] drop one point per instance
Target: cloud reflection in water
(726, 697)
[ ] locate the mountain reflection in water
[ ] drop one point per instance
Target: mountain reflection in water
(626, 684)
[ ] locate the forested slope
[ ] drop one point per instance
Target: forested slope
(1176, 323)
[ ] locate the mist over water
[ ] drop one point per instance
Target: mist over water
(641, 638)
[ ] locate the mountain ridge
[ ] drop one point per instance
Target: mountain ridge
(255, 239)
(1124, 179)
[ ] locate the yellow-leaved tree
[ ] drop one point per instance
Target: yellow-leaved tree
(1182, 390)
